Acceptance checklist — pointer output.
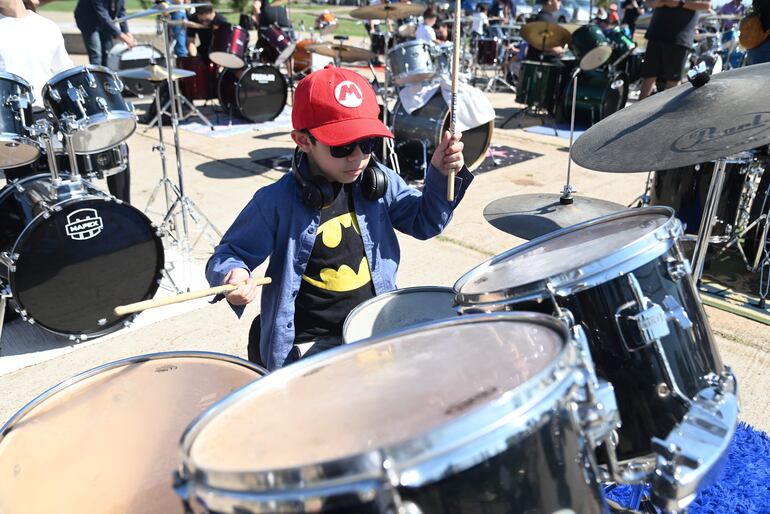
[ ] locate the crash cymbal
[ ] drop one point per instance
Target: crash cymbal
(345, 53)
(387, 11)
(682, 126)
(154, 73)
(162, 8)
(187, 24)
(541, 34)
(533, 215)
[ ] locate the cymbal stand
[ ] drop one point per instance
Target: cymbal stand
(709, 218)
(388, 147)
(644, 198)
(187, 208)
(566, 197)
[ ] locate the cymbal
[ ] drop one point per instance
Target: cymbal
(533, 215)
(154, 73)
(345, 53)
(682, 126)
(541, 34)
(387, 11)
(187, 24)
(162, 9)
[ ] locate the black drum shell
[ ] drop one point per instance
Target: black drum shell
(256, 93)
(428, 124)
(101, 130)
(67, 284)
(637, 374)
(12, 124)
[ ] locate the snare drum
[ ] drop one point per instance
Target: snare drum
(276, 45)
(624, 280)
(110, 434)
(16, 147)
(398, 309)
(427, 124)
(487, 50)
(228, 46)
(685, 190)
(76, 254)
(412, 62)
(257, 93)
(203, 85)
(91, 95)
(539, 85)
(589, 44)
(469, 415)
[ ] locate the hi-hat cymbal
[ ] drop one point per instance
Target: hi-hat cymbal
(387, 11)
(345, 53)
(154, 73)
(162, 8)
(187, 24)
(541, 34)
(682, 126)
(533, 215)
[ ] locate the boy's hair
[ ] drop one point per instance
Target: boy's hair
(481, 8)
(429, 13)
(206, 9)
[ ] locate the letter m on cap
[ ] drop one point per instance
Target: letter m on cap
(348, 94)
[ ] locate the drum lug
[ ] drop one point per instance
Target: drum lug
(649, 318)
(54, 94)
(103, 105)
(676, 313)
(678, 269)
(91, 80)
(7, 259)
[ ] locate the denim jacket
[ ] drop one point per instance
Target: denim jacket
(276, 223)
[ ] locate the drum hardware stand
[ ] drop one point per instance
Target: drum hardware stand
(709, 218)
(644, 199)
(388, 147)
(179, 98)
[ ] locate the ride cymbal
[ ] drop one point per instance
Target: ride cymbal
(682, 126)
(533, 215)
(162, 9)
(387, 11)
(541, 34)
(345, 53)
(154, 73)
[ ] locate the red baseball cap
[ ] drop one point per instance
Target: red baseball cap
(337, 106)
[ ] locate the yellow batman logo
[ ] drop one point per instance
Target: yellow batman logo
(346, 278)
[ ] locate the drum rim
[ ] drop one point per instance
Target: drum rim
(77, 70)
(487, 430)
(383, 297)
(252, 67)
(84, 375)
(100, 118)
(572, 280)
(15, 78)
(35, 221)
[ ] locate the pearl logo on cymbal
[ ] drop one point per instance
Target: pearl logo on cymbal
(83, 224)
(348, 94)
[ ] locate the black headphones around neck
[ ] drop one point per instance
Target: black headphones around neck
(318, 193)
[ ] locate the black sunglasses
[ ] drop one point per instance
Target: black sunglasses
(366, 145)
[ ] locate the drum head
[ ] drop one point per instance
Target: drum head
(261, 93)
(103, 132)
(107, 442)
(17, 151)
(398, 309)
(404, 387)
(562, 254)
(227, 60)
(76, 266)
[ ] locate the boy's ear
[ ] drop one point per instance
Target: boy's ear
(302, 140)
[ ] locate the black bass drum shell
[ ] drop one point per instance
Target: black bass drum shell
(76, 259)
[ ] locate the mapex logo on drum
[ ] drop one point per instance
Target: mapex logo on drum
(83, 224)
(262, 78)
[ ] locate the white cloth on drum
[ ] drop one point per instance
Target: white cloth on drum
(473, 107)
(32, 47)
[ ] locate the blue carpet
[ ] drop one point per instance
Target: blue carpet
(561, 128)
(744, 485)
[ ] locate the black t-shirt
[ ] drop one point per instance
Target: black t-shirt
(762, 7)
(631, 15)
(533, 54)
(268, 15)
(337, 276)
(205, 35)
(675, 25)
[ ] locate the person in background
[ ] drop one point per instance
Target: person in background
(550, 54)
(178, 33)
(425, 30)
(612, 17)
(212, 20)
(669, 37)
(761, 54)
(442, 32)
(631, 13)
(480, 22)
(94, 20)
(500, 13)
(734, 7)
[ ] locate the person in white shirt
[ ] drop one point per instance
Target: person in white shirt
(480, 21)
(425, 31)
(31, 46)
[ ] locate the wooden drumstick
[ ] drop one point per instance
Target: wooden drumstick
(122, 310)
(450, 192)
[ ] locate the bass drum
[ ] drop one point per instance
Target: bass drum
(256, 94)
(75, 258)
(426, 124)
(599, 94)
